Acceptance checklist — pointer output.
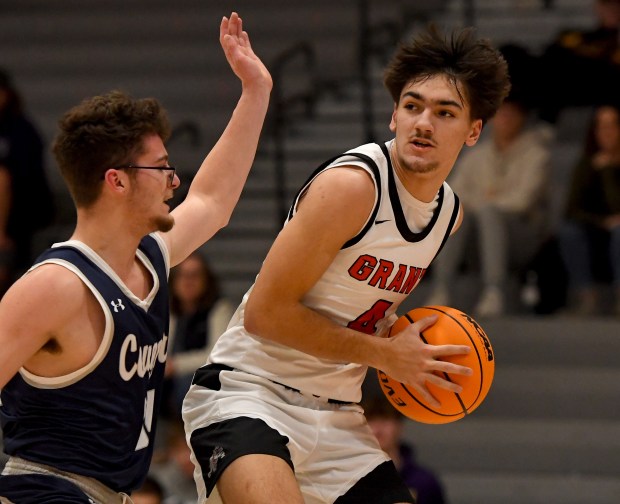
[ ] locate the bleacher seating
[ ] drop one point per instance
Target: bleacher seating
(548, 432)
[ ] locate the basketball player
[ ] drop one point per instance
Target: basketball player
(273, 417)
(84, 333)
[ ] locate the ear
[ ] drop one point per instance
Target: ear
(474, 133)
(393, 120)
(115, 180)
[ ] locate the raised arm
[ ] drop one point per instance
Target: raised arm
(217, 185)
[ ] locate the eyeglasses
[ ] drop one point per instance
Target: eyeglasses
(171, 169)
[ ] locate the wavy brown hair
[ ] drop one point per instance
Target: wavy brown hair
(103, 132)
(470, 63)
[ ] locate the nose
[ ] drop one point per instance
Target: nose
(176, 181)
(424, 121)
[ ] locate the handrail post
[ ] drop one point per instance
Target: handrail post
(364, 69)
(281, 107)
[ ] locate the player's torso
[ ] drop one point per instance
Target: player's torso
(362, 288)
(98, 421)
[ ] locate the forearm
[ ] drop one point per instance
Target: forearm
(217, 186)
(306, 330)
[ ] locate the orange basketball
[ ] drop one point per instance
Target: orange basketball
(453, 327)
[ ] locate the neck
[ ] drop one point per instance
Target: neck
(422, 186)
(117, 247)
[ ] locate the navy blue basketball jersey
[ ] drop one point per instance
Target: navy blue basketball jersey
(99, 421)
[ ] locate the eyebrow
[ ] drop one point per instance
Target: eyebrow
(418, 96)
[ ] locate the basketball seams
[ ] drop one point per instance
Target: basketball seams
(456, 395)
(399, 394)
(473, 344)
(428, 408)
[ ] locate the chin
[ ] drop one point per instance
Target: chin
(164, 224)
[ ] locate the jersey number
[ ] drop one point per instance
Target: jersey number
(147, 424)
(367, 321)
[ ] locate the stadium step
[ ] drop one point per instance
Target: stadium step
(549, 430)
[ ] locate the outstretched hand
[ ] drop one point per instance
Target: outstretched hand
(238, 50)
(416, 363)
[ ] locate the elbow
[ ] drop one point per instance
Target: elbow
(259, 318)
(224, 220)
(257, 324)
(254, 320)
(251, 323)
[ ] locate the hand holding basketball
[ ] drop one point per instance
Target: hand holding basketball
(418, 363)
(439, 391)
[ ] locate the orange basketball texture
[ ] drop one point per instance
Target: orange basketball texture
(453, 327)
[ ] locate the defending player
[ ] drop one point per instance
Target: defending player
(83, 335)
(273, 416)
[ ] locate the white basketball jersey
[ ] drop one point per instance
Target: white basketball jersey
(362, 288)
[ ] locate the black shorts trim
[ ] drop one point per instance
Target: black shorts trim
(382, 485)
(209, 377)
(220, 444)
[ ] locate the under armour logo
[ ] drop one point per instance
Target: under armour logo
(217, 454)
(117, 304)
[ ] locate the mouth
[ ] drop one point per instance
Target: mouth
(421, 143)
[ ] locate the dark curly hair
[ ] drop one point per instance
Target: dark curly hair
(473, 63)
(103, 132)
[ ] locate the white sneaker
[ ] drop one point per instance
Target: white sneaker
(491, 303)
(439, 297)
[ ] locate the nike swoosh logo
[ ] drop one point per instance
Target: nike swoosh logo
(382, 221)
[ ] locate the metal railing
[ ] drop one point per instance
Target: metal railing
(286, 107)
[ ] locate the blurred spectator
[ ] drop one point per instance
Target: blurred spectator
(387, 424)
(151, 492)
(25, 198)
(176, 470)
(581, 67)
(502, 185)
(590, 235)
(3, 456)
(199, 315)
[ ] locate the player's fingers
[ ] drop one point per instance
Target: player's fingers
(449, 350)
(227, 43)
(245, 39)
(233, 24)
(445, 383)
(429, 398)
(240, 28)
(451, 368)
(236, 24)
(223, 28)
(424, 323)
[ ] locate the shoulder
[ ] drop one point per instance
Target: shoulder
(47, 283)
(44, 298)
(340, 191)
(345, 180)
